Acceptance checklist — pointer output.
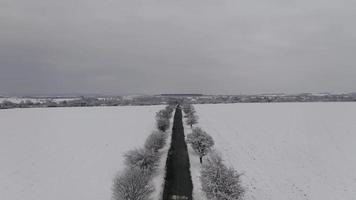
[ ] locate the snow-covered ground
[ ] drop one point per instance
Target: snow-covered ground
(287, 151)
(67, 153)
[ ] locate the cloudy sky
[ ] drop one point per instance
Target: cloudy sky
(177, 46)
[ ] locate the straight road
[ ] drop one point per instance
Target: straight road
(178, 182)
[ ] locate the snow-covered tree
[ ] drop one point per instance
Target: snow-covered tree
(142, 158)
(162, 120)
(133, 184)
(164, 113)
(201, 142)
(191, 119)
(188, 109)
(169, 109)
(155, 141)
(220, 182)
(162, 124)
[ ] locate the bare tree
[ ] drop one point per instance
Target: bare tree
(191, 119)
(201, 142)
(133, 184)
(220, 182)
(169, 109)
(165, 113)
(162, 120)
(162, 124)
(188, 109)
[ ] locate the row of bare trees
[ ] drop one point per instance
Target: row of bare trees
(134, 183)
(219, 182)
(201, 142)
(190, 115)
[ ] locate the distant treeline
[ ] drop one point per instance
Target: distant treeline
(81, 102)
(176, 98)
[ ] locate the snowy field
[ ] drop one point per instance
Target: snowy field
(288, 151)
(67, 153)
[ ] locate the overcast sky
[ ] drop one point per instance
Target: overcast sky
(177, 46)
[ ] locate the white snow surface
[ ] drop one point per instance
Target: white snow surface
(68, 153)
(287, 151)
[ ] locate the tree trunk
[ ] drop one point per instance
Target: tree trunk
(201, 159)
(191, 126)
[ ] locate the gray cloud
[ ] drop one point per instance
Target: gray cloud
(156, 46)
